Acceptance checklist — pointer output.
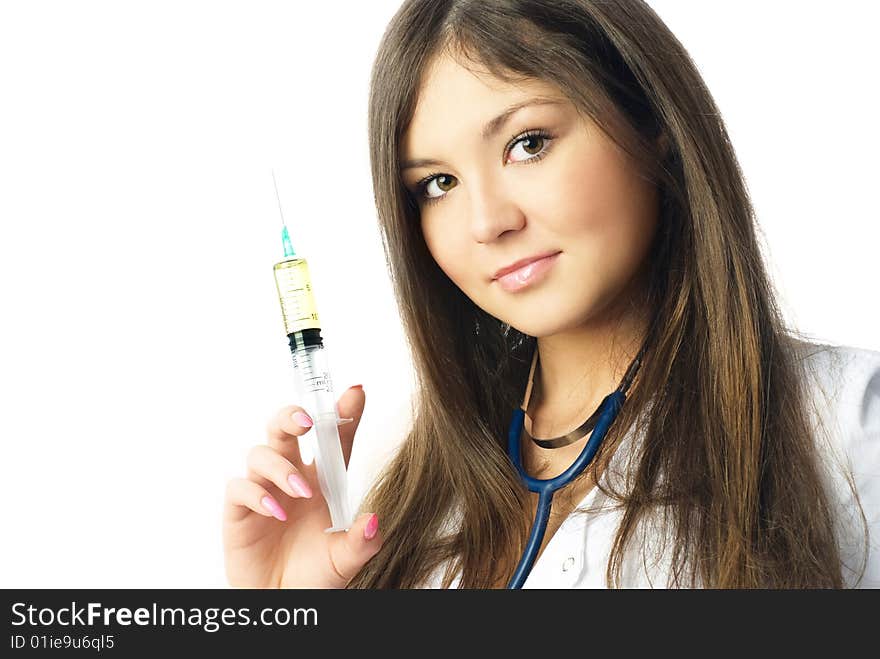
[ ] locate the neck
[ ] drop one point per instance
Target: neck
(577, 368)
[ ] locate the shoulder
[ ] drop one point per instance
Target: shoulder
(843, 389)
(843, 385)
(840, 363)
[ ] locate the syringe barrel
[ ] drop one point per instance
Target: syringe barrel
(314, 387)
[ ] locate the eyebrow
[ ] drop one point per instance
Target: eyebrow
(489, 131)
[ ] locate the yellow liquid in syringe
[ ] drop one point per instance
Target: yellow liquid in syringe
(295, 293)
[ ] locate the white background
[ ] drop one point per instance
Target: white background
(141, 345)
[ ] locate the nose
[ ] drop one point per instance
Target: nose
(493, 211)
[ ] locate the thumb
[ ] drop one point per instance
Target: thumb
(350, 550)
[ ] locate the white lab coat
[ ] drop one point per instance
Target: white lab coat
(844, 383)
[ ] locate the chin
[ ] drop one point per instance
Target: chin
(544, 324)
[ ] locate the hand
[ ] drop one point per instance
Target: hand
(274, 520)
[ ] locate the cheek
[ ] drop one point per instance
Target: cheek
(607, 225)
(608, 206)
(448, 251)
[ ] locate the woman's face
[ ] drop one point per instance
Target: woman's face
(546, 181)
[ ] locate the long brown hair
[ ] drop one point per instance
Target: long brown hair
(728, 450)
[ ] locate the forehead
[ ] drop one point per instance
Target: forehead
(453, 98)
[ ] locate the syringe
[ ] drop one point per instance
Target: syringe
(313, 377)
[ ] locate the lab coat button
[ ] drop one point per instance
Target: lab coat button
(567, 564)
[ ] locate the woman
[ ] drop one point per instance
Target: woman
(718, 471)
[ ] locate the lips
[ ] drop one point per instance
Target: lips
(533, 271)
(522, 262)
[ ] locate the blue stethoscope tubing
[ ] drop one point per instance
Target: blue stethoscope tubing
(545, 488)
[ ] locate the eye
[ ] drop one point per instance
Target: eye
(534, 145)
(535, 141)
(442, 180)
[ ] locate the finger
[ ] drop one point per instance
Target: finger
(268, 463)
(350, 550)
(284, 431)
(243, 495)
(350, 405)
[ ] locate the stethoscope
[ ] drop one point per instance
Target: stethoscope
(599, 421)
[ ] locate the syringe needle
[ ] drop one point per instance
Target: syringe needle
(278, 197)
(285, 236)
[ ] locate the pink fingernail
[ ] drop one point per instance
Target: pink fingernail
(303, 419)
(356, 386)
(299, 485)
(371, 527)
(272, 506)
